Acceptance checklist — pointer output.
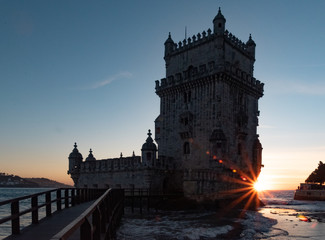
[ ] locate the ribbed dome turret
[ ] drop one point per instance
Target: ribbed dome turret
(219, 24)
(219, 16)
(149, 144)
(75, 153)
(169, 46)
(169, 39)
(90, 156)
(250, 41)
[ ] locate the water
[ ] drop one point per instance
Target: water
(25, 220)
(281, 219)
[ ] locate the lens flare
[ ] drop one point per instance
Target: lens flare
(258, 186)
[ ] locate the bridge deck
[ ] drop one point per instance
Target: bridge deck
(48, 227)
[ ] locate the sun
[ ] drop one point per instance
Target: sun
(258, 186)
(263, 183)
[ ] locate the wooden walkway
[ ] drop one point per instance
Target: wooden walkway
(50, 226)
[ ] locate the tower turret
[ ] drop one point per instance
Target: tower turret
(251, 46)
(75, 159)
(219, 23)
(90, 156)
(149, 151)
(169, 46)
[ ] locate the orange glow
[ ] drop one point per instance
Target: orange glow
(234, 170)
(214, 157)
(303, 218)
(220, 161)
(208, 153)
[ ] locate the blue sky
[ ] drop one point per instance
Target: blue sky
(85, 71)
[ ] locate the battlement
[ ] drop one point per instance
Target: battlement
(236, 42)
(119, 164)
(211, 69)
(205, 37)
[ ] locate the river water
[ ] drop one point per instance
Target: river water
(282, 218)
(25, 220)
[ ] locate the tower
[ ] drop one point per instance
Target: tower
(207, 126)
(75, 160)
(149, 151)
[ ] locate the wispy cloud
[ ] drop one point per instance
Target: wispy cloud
(111, 79)
(310, 89)
(299, 87)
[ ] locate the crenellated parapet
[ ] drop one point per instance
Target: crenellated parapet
(119, 164)
(227, 72)
(112, 164)
(203, 38)
(235, 42)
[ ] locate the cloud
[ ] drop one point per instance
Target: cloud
(111, 79)
(309, 89)
(285, 86)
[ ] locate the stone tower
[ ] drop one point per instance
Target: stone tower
(207, 127)
(149, 152)
(75, 160)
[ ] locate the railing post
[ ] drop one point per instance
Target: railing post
(132, 200)
(103, 219)
(73, 197)
(48, 204)
(148, 200)
(58, 200)
(34, 210)
(66, 198)
(85, 230)
(96, 224)
(15, 226)
(140, 199)
(77, 196)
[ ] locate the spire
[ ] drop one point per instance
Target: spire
(75, 145)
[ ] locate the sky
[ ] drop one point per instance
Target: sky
(85, 71)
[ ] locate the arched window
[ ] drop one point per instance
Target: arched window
(186, 148)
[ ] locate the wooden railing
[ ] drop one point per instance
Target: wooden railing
(70, 197)
(100, 220)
